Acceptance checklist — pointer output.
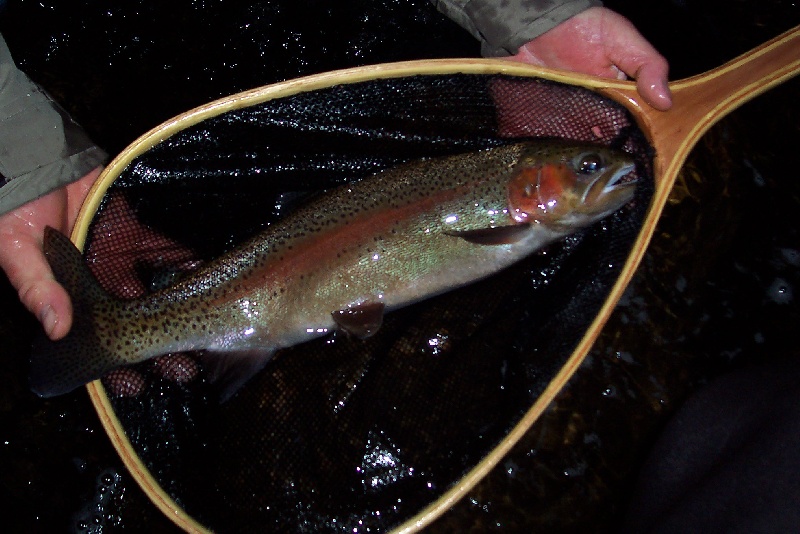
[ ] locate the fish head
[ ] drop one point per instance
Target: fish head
(570, 186)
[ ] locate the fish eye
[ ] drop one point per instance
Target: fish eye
(589, 163)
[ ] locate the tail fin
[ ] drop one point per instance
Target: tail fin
(60, 366)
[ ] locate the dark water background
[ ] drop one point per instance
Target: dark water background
(716, 290)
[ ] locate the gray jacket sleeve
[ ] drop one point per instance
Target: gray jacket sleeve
(503, 26)
(41, 147)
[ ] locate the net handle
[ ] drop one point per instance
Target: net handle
(700, 101)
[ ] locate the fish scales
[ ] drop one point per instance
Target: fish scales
(354, 223)
(342, 260)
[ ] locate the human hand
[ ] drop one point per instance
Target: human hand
(600, 42)
(23, 261)
(129, 259)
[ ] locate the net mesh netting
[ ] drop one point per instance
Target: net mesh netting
(340, 434)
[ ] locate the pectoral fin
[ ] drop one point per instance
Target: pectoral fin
(228, 371)
(500, 235)
(362, 320)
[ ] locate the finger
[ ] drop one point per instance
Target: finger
(24, 263)
(649, 68)
(651, 82)
(50, 303)
(38, 291)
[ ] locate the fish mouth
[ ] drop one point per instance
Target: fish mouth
(613, 187)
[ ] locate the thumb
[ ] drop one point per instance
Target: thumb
(651, 83)
(24, 263)
(640, 61)
(49, 302)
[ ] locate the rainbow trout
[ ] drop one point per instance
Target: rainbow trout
(339, 262)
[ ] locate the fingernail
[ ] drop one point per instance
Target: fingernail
(664, 91)
(662, 95)
(49, 320)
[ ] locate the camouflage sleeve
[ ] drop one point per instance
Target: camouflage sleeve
(503, 26)
(41, 147)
